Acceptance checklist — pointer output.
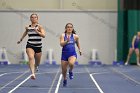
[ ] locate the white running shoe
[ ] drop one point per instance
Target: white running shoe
(36, 68)
(126, 63)
(138, 64)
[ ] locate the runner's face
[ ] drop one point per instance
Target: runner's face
(34, 19)
(69, 28)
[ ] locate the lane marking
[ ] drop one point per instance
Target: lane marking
(58, 84)
(50, 89)
(19, 84)
(98, 73)
(44, 88)
(14, 80)
(126, 76)
(77, 88)
(2, 74)
(97, 85)
(59, 71)
(9, 73)
(94, 81)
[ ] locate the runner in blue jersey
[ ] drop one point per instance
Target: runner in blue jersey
(134, 46)
(69, 56)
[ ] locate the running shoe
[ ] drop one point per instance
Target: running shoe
(138, 63)
(36, 68)
(126, 63)
(64, 83)
(70, 74)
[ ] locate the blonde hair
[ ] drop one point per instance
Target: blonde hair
(33, 14)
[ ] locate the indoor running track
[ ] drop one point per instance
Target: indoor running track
(87, 79)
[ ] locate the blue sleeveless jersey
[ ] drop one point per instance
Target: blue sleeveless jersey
(136, 42)
(70, 46)
(68, 50)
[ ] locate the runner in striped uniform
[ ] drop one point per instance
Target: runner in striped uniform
(35, 34)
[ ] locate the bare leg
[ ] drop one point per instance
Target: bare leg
(129, 55)
(30, 53)
(71, 60)
(64, 65)
(137, 54)
(37, 60)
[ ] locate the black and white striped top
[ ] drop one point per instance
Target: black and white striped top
(34, 39)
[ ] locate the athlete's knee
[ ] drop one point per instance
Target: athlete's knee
(64, 70)
(64, 67)
(137, 55)
(71, 63)
(31, 58)
(130, 53)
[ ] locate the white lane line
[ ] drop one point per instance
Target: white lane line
(126, 76)
(47, 73)
(98, 73)
(9, 73)
(2, 74)
(59, 71)
(54, 80)
(14, 80)
(58, 84)
(55, 88)
(97, 85)
(19, 84)
(94, 81)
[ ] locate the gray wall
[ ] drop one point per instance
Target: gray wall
(95, 29)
